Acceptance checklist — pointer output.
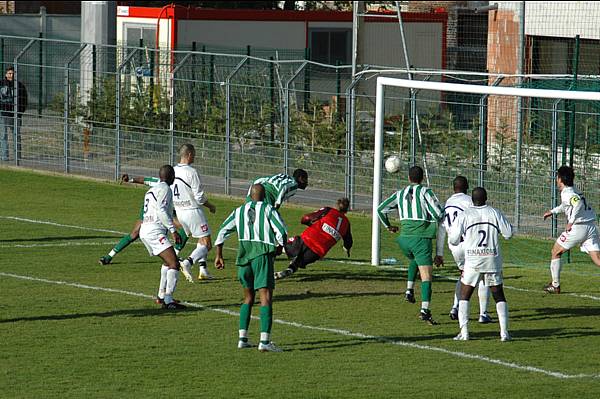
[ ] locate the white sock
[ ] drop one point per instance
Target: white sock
(172, 275)
(243, 334)
(112, 253)
(425, 305)
(456, 294)
(502, 309)
(162, 287)
(555, 271)
(484, 295)
(199, 253)
(265, 337)
(410, 285)
(463, 317)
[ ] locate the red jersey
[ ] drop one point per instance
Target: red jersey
(326, 227)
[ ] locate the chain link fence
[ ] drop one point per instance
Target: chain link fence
(106, 110)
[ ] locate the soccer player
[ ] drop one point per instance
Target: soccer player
(280, 187)
(158, 218)
(261, 234)
(326, 227)
(419, 212)
(581, 228)
(479, 227)
(188, 198)
(455, 205)
(135, 232)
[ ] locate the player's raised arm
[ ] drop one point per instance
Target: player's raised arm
(312, 217)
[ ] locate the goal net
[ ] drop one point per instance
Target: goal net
(510, 140)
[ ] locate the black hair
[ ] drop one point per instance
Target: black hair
(566, 175)
(461, 184)
(415, 174)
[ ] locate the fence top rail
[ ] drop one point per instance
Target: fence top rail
(490, 90)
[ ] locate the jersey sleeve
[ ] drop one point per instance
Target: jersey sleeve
(278, 227)
(348, 241)
(165, 214)
(312, 217)
(386, 207)
(198, 189)
(433, 205)
(151, 181)
(440, 240)
(227, 228)
(286, 191)
(578, 207)
(506, 228)
(457, 230)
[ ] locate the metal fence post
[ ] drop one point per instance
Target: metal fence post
(413, 127)
(554, 166)
(350, 129)
(172, 109)
(228, 125)
(483, 134)
(16, 130)
(66, 106)
(118, 114)
(286, 119)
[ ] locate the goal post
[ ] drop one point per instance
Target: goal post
(383, 82)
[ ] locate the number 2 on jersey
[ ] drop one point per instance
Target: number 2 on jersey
(482, 242)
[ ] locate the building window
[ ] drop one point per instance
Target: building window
(330, 46)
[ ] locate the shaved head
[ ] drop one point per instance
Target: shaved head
(187, 153)
(461, 185)
(257, 192)
(343, 204)
(479, 196)
(167, 174)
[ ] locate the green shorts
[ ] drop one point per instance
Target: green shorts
(259, 273)
(417, 248)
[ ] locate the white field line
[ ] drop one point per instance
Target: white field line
(583, 296)
(60, 244)
(346, 333)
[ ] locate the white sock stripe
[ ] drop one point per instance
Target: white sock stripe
(346, 333)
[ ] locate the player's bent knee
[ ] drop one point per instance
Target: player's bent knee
(426, 273)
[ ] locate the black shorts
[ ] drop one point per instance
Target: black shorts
(299, 253)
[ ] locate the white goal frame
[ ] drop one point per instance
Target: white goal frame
(446, 87)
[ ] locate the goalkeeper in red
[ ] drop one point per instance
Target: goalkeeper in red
(419, 211)
(326, 227)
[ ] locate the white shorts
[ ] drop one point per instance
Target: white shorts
(155, 240)
(472, 277)
(194, 222)
(585, 235)
(458, 253)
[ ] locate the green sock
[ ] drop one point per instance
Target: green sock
(266, 319)
(426, 291)
(245, 314)
(413, 269)
(184, 238)
(125, 241)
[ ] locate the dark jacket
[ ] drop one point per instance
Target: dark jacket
(7, 98)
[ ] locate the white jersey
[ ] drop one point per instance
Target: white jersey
(188, 191)
(574, 205)
(455, 205)
(158, 208)
(480, 227)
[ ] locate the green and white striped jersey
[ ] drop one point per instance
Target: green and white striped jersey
(418, 208)
(278, 188)
(259, 228)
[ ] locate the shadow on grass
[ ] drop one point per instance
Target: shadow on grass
(144, 312)
(559, 313)
(328, 344)
(530, 334)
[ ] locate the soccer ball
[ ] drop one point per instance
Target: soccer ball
(392, 164)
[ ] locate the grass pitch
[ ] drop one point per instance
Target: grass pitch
(73, 328)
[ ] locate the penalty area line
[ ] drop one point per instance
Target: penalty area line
(346, 333)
